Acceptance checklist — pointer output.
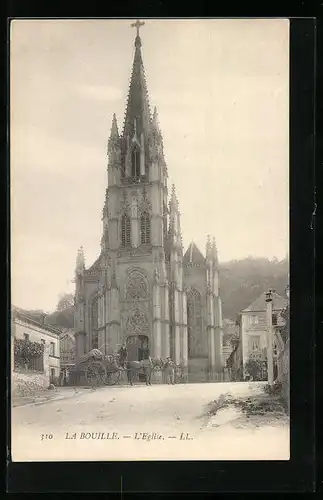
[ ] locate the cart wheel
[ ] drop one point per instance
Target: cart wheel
(101, 374)
(112, 378)
(91, 376)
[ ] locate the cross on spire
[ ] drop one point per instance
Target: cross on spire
(137, 25)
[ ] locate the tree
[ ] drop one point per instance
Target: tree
(257, 368)
(66, 300)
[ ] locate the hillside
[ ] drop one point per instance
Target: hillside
(241, 282)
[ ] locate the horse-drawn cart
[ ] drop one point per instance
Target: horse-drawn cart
(99, 369)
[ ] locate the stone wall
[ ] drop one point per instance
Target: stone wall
(28, 383)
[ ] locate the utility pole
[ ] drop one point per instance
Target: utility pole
(270, 360)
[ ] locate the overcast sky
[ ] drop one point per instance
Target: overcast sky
(222, 90)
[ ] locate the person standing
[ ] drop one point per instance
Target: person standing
(170, 371)
(123, 354)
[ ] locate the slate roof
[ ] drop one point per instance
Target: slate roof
(194, 255)
(259, 304)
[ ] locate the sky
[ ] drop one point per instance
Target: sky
(221, 88)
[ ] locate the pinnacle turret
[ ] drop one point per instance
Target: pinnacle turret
(208, 251)
(155, 123)
(214, 251)
(114, 134)
(173, 202)
(80, 261)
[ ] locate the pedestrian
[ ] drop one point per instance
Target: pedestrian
(170, 371)
(123, 354)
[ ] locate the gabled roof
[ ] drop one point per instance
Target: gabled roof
(68, 332)
(259, 304)
(19, 314)
(193, 255)
(96, 265)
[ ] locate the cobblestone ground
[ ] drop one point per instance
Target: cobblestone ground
(159, 422)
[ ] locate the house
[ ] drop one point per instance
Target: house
(36, 334)
(253, 327)
(230, 333)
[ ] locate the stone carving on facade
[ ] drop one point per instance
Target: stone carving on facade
(156, 276)
(137, 286)
(136, 323)
(124, 205)
(145, 205)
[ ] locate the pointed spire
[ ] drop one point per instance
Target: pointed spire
(114, 127)
(214, 250)
(114, 134)
(173, 203)
(208, 247)
(137, 102)
(80, 261)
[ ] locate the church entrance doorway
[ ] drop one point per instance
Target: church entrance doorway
(137, 347)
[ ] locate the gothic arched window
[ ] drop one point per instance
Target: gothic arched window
(125, 231)
(135, 162)
(137, 287)
(95, 323)
(145, 228)
(194, 321)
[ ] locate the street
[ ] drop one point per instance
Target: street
(159, 422)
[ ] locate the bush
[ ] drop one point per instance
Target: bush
(256, 368)
(275, 389)
(25, 350)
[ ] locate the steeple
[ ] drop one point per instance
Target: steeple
(137, 115)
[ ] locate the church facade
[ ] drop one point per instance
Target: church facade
(142, 289)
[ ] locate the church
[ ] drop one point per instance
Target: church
(143, 289)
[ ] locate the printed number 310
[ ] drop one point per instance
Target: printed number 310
(46, 436)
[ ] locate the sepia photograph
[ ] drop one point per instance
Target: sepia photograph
(149, 178)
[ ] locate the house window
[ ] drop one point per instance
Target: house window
(26, 336)
(254, 320)
(274, 319)
(254, 343)
(125, 231)
(145, 228)
(135, 162)
(52, 349)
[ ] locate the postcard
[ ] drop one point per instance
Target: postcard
(149, 164)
